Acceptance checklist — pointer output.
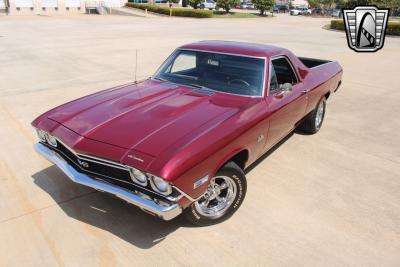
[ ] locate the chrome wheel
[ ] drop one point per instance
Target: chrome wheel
(218, 197)
(319, 115)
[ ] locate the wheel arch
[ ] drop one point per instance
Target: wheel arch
(239, 156)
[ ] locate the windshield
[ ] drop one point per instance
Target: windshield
(232, 74)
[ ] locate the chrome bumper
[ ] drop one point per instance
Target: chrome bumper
(166, 213)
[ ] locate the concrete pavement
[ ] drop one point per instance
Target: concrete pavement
(330, 199)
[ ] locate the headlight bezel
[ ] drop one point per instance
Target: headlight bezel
(47, 138)
(41, 135)
(153, 182)
(51, 140)
(134, 176)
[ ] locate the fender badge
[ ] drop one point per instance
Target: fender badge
(200, 182)
(135, 158)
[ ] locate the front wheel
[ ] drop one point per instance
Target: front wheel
(222, 198)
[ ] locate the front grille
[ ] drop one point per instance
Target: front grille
(106, 171)
(95, 166)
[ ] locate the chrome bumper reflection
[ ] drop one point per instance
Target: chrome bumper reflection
(165, 212)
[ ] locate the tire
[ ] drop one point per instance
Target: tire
(199, 213)
(313, 121)
(202, 6)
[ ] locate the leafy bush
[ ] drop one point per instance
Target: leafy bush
(227, 4)
(393, 27)
(179, 12)
(263, 5)
(337, 25)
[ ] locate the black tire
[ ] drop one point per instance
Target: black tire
(202, 6)
(310, 124)
(236, 174)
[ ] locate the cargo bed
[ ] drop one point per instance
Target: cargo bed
(312, 62)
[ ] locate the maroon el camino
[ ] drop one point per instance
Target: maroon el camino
(179, 142)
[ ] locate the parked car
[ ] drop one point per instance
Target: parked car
(180, 141)
(337, 13)
(244, 5)
(250, 6)
(208, 4)
(280, 9)
(300, 11)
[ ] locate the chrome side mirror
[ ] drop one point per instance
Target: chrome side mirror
(286, 87)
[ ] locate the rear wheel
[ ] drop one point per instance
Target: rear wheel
(313, 122)
(222, 198)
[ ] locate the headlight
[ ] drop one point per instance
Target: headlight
(41, 135)
(51, 140)
(161, 186)
(138, 176)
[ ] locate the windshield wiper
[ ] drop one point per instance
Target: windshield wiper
(199, 86)
(159, 79)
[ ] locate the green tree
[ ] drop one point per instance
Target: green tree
(194, 3)
(263, 5)
(314, 3)
(227, 4)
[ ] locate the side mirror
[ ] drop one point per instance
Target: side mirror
(286, 87)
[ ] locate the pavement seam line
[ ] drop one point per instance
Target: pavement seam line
(46, 207)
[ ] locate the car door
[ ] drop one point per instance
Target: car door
(286, 105)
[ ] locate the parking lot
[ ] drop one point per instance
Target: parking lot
(330, 199)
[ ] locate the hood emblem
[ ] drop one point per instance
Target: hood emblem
(135, 158)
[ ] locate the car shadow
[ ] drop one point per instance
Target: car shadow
(104, 211)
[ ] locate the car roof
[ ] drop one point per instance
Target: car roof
(240, 48)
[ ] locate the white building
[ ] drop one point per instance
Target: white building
(42, 7)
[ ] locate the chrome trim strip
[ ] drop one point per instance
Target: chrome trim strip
(165, 212)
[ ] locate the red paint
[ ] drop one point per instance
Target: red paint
(182, 136)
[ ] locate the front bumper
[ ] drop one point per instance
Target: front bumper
(164, 212)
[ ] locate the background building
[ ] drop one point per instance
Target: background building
(57, 6)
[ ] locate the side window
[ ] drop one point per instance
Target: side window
(184, 61)
(284, 71)
(273, 81)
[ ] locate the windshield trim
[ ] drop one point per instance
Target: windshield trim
(223, 53)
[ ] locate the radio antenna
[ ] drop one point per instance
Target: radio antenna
(136, 66)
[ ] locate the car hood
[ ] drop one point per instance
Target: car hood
(147, 117)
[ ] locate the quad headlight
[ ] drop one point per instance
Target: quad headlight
(41, 135)
(138, 176)
(157, 184)
(46, 137)
(51, 140)
(160, 185)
